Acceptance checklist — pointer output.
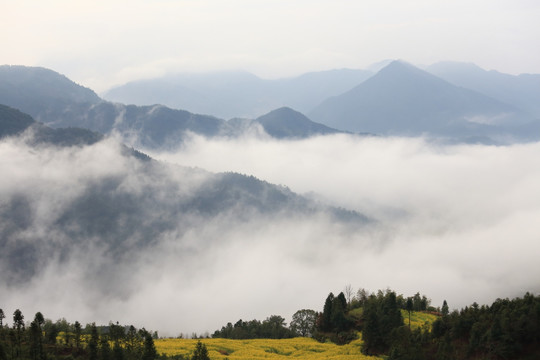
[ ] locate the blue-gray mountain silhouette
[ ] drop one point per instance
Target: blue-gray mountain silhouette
(237, 94)
(288, 123)
(404, 100)
(60, 103)
(522, 91)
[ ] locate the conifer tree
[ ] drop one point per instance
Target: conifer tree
(409, 308)
(93, 343)
(105, 348)
(150, 352)
(77, 333)
(200, 353)
(326, 321)
(444, 309)
(18, 327)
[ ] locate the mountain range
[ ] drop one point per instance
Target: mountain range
(153, 126)
(522, 91)
(237, 94)
(404, 100)
(463, 104)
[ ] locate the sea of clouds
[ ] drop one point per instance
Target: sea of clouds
(454, 222)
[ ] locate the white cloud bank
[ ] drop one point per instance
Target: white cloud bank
(458, 222)
(453, 222)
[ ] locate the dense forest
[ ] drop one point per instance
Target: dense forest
(507, 329)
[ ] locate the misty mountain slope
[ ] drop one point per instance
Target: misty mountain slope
(403, 100)
(288, 123)
(58, 102)
(14, 122)
(237, 94)
(160, 127)
(41, 92)
(57, 201)
(522, 91)
(151, 127)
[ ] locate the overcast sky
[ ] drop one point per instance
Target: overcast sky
(104, 43)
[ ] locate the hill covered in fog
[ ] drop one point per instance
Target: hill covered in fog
(70, 190)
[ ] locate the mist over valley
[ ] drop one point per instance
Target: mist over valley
(264, 217)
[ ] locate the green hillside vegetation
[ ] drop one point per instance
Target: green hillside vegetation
(365, 326)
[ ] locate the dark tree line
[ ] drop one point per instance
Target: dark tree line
(274, 327)
(42, 340)
(508, 329)
(304, 323)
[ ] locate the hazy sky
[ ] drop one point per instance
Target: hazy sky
(103, 43)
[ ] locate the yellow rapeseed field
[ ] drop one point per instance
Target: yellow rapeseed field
(418, 319)
(270, 349)
(297, 348)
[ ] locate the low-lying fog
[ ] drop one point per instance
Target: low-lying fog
(453, 222)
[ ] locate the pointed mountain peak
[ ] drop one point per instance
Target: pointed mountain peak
(399, 72)
(282, 112)
(399, 66)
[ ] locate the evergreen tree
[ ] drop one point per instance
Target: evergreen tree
(77, 333)
(93, 343)
(381, 316)
(105, 348)
(326, 319)
(131, 343)
(342, 300)
(3, 355)
(200, 352)
(416, 302)
(444, 309)
(409, 308)
(338, 320)
(40, 320)
(2, 317)
(149, 352)
(18, 326)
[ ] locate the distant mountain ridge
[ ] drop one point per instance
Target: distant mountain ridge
(404, 100)
(58, 102)
(237, 94)
(399, 99)
(522, 90)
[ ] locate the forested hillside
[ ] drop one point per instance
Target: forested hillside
(366, 326)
